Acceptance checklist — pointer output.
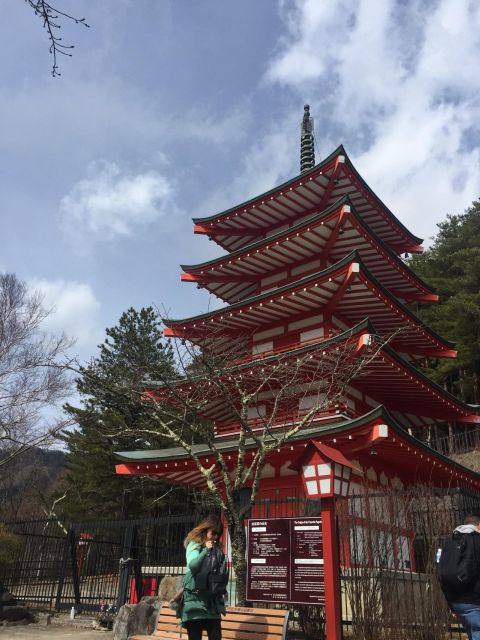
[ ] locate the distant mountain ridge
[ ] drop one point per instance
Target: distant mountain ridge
(27, 481)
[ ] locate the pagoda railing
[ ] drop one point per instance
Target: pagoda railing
(282, 420)
(458, 443)
(284, 347)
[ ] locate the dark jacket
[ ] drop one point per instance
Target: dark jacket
(473, 596)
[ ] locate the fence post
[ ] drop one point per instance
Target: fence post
(124, 566)
(75, 575)
(137, 565)
(63, 571)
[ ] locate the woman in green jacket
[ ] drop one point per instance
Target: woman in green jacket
(199, 614)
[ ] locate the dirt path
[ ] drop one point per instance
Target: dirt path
(52, 631)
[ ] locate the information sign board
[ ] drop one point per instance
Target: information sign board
(285, 560)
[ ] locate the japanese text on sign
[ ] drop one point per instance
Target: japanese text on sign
(285, 560)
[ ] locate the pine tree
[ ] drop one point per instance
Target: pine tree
(132, 352)
(452, 267)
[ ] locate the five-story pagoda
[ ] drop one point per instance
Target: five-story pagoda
(310, 268)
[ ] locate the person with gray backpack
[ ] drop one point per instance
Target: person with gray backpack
(459, 574)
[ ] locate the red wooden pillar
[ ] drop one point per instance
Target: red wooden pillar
(333, 602)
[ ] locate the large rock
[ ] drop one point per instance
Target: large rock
(133, 619)
(6, 598)
(169, 587)
(16, 613)
(10, 612)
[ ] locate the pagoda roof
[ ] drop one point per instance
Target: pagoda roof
(396, 451)
(222, 414)
(390, 379)
(387, 379)
(305, 194)
(335, 230)
(347, 289)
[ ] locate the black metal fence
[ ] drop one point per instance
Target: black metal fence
(89, 564)
(388, 544)
(33, 573)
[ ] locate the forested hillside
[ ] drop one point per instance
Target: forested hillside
(27, 482)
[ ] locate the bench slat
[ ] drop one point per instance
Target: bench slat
(167, 614)
(172, 626)
(260, 620)
(175, 636)
(248, 625)
(281, 613)
(239, 634)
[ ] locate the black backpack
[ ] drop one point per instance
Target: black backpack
(212, 579)
(458, 567)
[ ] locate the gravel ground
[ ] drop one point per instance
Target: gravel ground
(56, 632)
(61, 628)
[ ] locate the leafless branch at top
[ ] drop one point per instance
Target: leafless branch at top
(51, 18)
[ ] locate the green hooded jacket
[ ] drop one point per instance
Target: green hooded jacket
(194, 607)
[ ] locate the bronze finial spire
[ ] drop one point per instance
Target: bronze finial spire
(307, 151)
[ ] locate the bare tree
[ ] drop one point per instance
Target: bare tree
(267, 400)
(51, 18)
(34, 376)
(388, 595)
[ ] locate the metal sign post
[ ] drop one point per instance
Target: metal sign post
(333, 603)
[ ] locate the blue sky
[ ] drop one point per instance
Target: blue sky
(173, 109)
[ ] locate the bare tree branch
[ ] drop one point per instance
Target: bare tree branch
(268, 399)
(33, 372)
(51, 17)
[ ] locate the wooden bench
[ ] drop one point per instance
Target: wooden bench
(240, 623)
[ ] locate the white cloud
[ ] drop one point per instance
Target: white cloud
(398, 84)
(267, 163)
(74, 310)
(304, 55)
(111, 203)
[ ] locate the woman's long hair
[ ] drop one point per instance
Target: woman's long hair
(199, 533)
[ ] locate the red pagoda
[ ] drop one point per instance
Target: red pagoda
(308, 265)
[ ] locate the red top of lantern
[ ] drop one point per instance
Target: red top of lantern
(325, 451)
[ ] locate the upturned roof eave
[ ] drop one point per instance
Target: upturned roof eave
(340, 150)
(416, 240)
(379, 413)
(305, 223)
(256, 243)
(365, 326)
(257, 298)
(462, 406)
(353, 256)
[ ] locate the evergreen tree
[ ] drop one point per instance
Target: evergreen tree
(132, 352)
(452, 266)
